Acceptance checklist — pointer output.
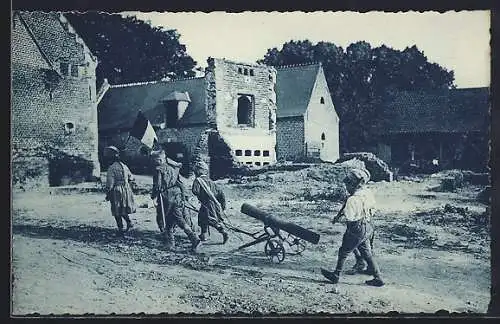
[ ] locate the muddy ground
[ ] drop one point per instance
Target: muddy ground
(66, 258)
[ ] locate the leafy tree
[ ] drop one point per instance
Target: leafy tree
(360, 78)
(131, 50)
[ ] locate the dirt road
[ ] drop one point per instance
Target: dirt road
(66, 258)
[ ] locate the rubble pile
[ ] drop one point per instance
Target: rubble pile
(334, 173)
(456, 179)
(458, 216)
(379, 170)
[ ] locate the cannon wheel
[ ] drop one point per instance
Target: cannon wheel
(275, 251)
(296, 245)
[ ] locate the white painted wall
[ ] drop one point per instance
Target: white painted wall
(322, 118)
(254, 141)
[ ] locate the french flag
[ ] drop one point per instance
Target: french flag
(143, 131)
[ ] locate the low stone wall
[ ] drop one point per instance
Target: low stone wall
(30, 172)
(41, 166)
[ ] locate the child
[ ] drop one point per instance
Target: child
(357, 212)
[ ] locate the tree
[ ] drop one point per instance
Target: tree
(131, 50)
(361, 78)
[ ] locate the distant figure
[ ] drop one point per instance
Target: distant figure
(118, 191)
(169, 192)
(357, 213)
(212, 200)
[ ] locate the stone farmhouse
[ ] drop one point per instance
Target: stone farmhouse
(450, 127)
(308, 125)
(54, 133)
(237, 114)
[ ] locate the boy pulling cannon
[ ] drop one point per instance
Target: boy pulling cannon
(357, 213)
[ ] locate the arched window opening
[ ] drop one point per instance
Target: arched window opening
(322, 100)
(245, 112)
(323, 137)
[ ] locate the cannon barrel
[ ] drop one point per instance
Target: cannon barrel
(272, 221)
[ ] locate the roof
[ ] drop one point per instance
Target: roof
(54, 36)
(294, 87)
(121, 103)
(177, 96)
(449, 111)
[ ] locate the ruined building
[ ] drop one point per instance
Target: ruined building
(54, 107)
(227, 116)
(237, 114)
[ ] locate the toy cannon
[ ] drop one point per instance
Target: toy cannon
(274, 237)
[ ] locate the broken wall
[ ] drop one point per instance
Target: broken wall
(49, 109)
(227, 84)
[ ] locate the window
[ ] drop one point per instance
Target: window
(249, 163)
(256, 153)
(323, 136)
(322, 100)
(74, 70)
(245, 72)
(248, 153)
(251, 72)
(240, 70)
(265, 163)
(90, 92)
(69, 128)
(239, 153)
(265, 153)
(245, 110)
(257, 163)
(64, 68)
(270, 77)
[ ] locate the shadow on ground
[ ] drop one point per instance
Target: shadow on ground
(147, 246)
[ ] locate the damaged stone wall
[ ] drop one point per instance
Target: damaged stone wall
(44, 165)
(227, 83)
(228, 80)
(136, 155)
(50, 109)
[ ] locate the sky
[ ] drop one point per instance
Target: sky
(458, 41)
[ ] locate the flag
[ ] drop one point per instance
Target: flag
(143, 131)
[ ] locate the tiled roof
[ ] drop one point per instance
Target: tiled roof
(455, 110)
(121, 103)
(294, 86)
(55, 38)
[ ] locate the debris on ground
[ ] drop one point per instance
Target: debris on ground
(379, 170)
(425, 243)
(455, 179)
(484, 195)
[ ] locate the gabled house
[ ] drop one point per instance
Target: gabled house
(307, 123)
(449, 128)
(54, 107)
